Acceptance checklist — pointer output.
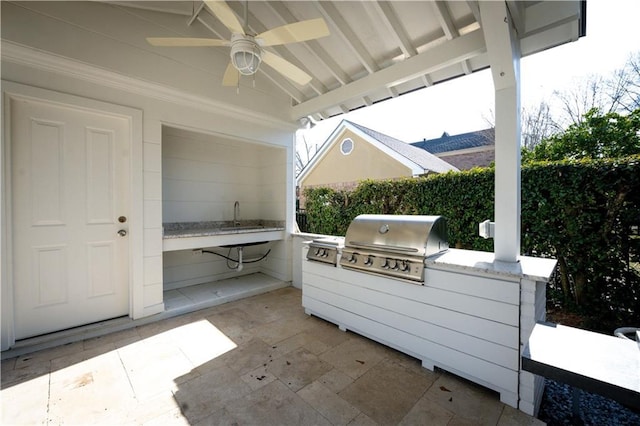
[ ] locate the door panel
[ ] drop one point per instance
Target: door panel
(70, 183)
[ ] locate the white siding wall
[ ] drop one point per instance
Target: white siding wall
(202, 176)
(46, 45)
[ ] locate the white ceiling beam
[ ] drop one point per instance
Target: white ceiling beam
(394, 27)
(444, 18)
(312, 46)
(449, 28)
(331, 14)
(436, 58)
(195, 14)
(517, 12)
(349, 37)
(475, 10)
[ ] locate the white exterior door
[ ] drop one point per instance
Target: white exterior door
(70, 197)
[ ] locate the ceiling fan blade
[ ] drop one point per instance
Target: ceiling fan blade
(292, 33)
(223, 12)
(230, 76)
(286, 68)
(185, 41)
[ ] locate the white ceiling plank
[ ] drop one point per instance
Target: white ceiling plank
(540, 17)
(436, 58)
(195, 14)
(517, 12)
(394, 27)
(475, 10)
(444, 18)
(331, 14)
(312, 46)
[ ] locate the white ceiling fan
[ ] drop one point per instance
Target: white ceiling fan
(247, 50)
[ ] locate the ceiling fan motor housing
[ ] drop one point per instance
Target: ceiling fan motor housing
(245, 54)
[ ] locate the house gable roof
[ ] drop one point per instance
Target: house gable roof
(448, 143)
(425, 160)
(418, 160)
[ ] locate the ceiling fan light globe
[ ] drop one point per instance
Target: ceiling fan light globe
(245, 56)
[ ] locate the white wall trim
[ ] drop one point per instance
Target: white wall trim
(38, 59)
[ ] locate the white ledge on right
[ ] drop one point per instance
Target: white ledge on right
(532, 268)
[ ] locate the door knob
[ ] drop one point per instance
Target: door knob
(122, 232)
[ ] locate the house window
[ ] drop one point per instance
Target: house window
(346, 146)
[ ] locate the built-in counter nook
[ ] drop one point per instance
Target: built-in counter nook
(193, 235)
(224, 218)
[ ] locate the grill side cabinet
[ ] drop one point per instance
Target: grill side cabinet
(470, 317)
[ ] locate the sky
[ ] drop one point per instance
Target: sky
(464, 104)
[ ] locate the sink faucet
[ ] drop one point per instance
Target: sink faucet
(236, 213)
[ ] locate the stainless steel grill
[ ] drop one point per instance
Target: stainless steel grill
(393, 245)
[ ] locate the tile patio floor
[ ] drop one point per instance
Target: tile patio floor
(256, 361)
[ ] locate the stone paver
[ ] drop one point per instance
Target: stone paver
(259, 360)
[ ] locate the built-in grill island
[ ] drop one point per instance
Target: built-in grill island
(393, 279)
(393, 245)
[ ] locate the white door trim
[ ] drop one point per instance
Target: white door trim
(11, 91)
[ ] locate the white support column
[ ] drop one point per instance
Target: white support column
(504, 57)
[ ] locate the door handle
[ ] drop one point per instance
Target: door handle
(122, 232)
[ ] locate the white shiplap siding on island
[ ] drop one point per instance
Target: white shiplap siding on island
(468, 324)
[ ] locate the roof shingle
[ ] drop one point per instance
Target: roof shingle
(448, 143)
(424, 159)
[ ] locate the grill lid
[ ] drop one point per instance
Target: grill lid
(408, 235)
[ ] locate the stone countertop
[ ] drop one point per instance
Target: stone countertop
(210, 228)
(533, 268)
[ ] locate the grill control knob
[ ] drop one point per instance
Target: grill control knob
(405, 266)
(368, 261)
(385, 264)
(317, 252)
(325, 253)
(395, 266)
(353, 259)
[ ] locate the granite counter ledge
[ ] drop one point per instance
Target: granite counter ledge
(209, 228)
(532, 268)
(193, 235)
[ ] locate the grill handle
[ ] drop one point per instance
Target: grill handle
(384, 247)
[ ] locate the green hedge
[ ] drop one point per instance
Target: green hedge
(583, 213)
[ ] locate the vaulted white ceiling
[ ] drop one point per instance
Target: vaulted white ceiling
(382, 49)
(376, 50)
